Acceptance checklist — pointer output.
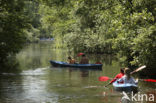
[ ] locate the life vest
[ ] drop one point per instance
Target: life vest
(72, 61)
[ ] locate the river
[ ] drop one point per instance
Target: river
(38, 82)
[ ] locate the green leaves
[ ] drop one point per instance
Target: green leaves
(13, 22)
(126, 27)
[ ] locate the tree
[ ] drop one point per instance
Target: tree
(122, 27)
(13, 22)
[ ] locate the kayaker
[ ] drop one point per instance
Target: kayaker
(71, 61)
(118, 76)
(127, 78)
(84, 60)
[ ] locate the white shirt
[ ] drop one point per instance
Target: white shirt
(125, 80)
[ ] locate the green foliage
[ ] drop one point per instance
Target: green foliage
(31, 12)
(124, 27)
(13, 22)
(32, 34)
(37, 29)
(135, 42)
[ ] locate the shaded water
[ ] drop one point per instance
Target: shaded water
(40, 83)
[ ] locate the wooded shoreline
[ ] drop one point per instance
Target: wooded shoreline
(123, 28)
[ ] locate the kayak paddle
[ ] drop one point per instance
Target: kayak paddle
(149, 80)
(139, 69)
(104, 78)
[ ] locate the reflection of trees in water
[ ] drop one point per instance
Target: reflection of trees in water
(10, 88)
(29, 57)
(11, 65)
(84, 73)
(35, 55)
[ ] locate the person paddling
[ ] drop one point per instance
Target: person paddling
(118, 76)
(84, 60)
(71, 61)
(127, 78)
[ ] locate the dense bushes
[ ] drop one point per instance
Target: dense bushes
(123, 27)
(13, 22)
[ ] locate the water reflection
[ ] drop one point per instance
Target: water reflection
(10, 88)
(84, 73)
(78, 86)
(34, 86)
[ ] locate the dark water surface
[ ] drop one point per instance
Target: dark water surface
(40, 83)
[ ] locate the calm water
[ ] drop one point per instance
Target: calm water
(40, 83)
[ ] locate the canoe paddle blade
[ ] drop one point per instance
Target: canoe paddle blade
(139, 69)
(103, 78)
(149, 80)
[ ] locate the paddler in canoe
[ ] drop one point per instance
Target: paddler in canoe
(126, 83)
(71, 60)
(123, 77)
(84, 60)
(127, 78)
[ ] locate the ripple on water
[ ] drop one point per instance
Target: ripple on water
(37, 71)
(34, 72)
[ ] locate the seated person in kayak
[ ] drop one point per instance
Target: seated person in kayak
(118, 76)
(71, 61)
(84, 60)
(127, 78)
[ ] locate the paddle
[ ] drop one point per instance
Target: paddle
(139, 69)
(104, 78)
(149, 80)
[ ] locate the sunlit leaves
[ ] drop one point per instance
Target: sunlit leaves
(125, 27)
